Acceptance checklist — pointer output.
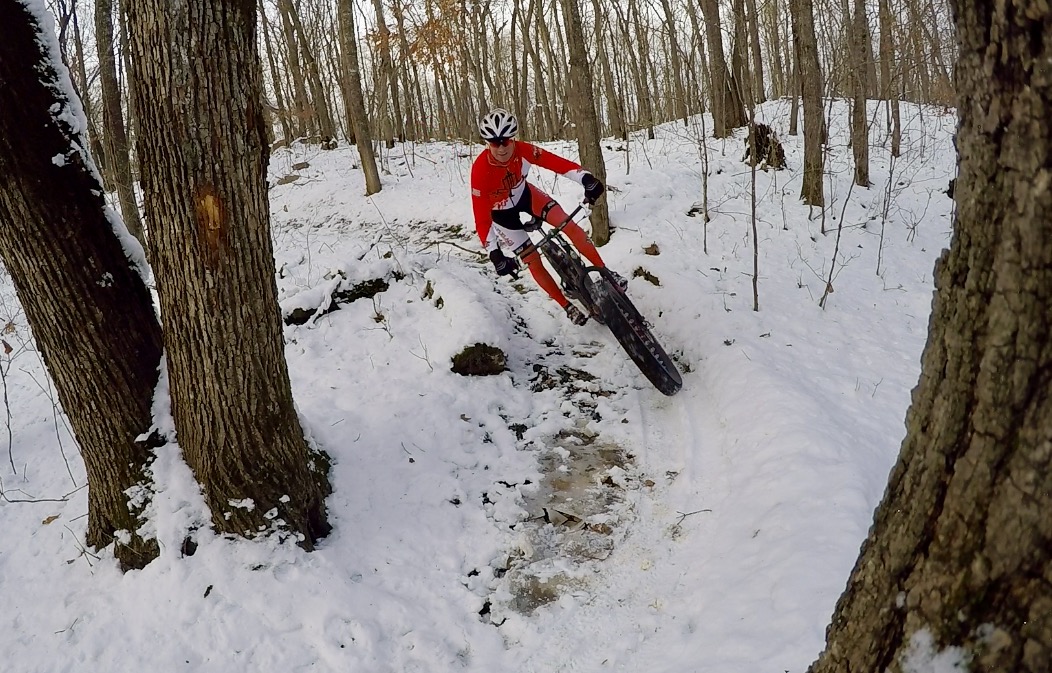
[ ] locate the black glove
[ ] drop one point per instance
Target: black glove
(593, 188)
(503, 265)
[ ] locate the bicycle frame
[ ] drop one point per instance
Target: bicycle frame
(567, 263)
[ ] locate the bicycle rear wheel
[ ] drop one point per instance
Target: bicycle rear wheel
(630, 329)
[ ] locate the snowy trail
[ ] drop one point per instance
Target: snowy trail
(729, 533)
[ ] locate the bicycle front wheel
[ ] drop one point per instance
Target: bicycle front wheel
(630, 329)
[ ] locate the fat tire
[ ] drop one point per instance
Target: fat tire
(630, 329)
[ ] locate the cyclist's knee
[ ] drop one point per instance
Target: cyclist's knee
(532, 258)
(552, 213)
(575, 232)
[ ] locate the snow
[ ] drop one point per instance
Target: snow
(713, 530)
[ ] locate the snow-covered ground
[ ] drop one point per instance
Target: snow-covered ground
(561, 516)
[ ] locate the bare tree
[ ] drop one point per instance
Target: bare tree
(297, 38)
(585, 118)
(355, 100)
(116, 136)
(758, 88)
(861, 52)
(389, 76)
(727, 112)
(958, 553)
(889, 87)
(303, 112)
(80, 85)
(86, 302)
(282, 110)
(810, 75)
(202, 144)
(615, 115)
(677, 74)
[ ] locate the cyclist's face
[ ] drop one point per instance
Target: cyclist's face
(502, 151)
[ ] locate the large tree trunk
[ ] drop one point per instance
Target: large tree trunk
(88, 306)
(113, 118)
(204, 162)
(959, 548)
(584, 115)
(810, 74)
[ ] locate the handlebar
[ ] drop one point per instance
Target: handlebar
(556, 228)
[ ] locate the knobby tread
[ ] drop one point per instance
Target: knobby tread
(631, 331)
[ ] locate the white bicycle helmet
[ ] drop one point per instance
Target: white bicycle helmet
(498, 124)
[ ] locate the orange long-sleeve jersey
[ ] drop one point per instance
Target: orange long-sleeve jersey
(500, 186)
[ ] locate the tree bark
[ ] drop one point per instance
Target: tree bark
(202, 145)
(584, 115)
(86, 302)
(958, 551)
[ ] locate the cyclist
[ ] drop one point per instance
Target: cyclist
(500, 192)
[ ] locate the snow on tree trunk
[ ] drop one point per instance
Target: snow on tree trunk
(88, 307)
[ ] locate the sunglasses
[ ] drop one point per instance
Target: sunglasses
(501, 142)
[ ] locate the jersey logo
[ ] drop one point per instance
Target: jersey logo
(476, 192)
(509, 181)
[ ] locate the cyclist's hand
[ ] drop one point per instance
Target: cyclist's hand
(593, 188)
(504, 265)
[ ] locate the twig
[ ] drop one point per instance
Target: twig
(455, 245)
(423, 357)
(3, 496)
(836, 247)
